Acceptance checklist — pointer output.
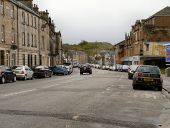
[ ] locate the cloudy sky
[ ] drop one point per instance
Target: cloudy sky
(98, 20)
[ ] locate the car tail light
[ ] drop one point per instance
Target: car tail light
(22, 72)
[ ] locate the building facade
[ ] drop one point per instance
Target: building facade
(9, 31)
(28, 35)
(146, 36)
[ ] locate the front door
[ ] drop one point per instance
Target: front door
(2, 57)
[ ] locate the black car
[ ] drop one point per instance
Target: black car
(131, 71)
(85, 69)
(147, 76)
(42, 71)
(6, 74)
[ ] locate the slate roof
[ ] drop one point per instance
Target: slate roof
(21, 5)
(164, 12)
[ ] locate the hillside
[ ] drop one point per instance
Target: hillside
(91, 48)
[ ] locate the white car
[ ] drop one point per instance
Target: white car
(112, 68)
(107, 67)
(23, 72)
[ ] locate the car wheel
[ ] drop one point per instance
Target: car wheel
(32, 77)
(45, 75)
(134, 86)
(50, 74)
(14, 79)
(129, 77)
(2, 80)
(160, 88)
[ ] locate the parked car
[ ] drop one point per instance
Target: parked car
(147, 76)
(85, 69)
(6, 74)
(112, 68)
(107, 67)
(125, 68)
(97, 66)
(59, 69)
(69, 67)
(117, 67)
(42, 71)
(23, 72)
(103, 67)
(131, 71)
(120, 68)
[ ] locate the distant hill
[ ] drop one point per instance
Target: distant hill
(91, 48)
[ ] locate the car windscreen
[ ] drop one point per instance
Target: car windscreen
(19, 68)
(145, 69)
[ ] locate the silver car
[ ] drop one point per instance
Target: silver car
(23, 72)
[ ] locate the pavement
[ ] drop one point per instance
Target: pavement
(166, 92)
(166, 86)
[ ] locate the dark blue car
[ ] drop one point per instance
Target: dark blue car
(6, 74)
(59, 70)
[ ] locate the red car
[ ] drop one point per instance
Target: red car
(147, 76)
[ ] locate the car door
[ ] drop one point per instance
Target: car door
(9, 74)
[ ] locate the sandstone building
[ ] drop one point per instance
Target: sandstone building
(28, 35)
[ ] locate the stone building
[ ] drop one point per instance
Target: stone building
(28, 35)
(28, 32)
(145, 36)
(59, 48)
(9, 31)
(44, 41)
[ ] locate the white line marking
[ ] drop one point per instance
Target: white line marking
(17, 93)
(49, 86)
(120, 77)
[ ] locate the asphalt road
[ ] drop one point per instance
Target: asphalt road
(104, 99)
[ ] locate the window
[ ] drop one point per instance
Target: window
(32, 39)
(12, 11)
(43, 44)
(35, 22)
(35, 41)
(28, 39)
(1, 7)
(28, 19)
(13, 35)
(35, 60)
(23, 59)
(32, 21)
(147, 47)
(23, 38)
(23, 17)
(3, 33)
(13, 59)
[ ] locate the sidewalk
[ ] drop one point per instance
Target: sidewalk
(166, 86)
(166, 91)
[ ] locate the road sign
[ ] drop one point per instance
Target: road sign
(168, 53)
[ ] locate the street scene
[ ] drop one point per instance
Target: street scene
(84, 64)
(104, 99)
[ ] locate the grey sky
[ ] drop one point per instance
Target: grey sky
(98, 20)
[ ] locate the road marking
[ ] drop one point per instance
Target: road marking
(75, 117)
(49, 86)
(120, 77)
(17, 93)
